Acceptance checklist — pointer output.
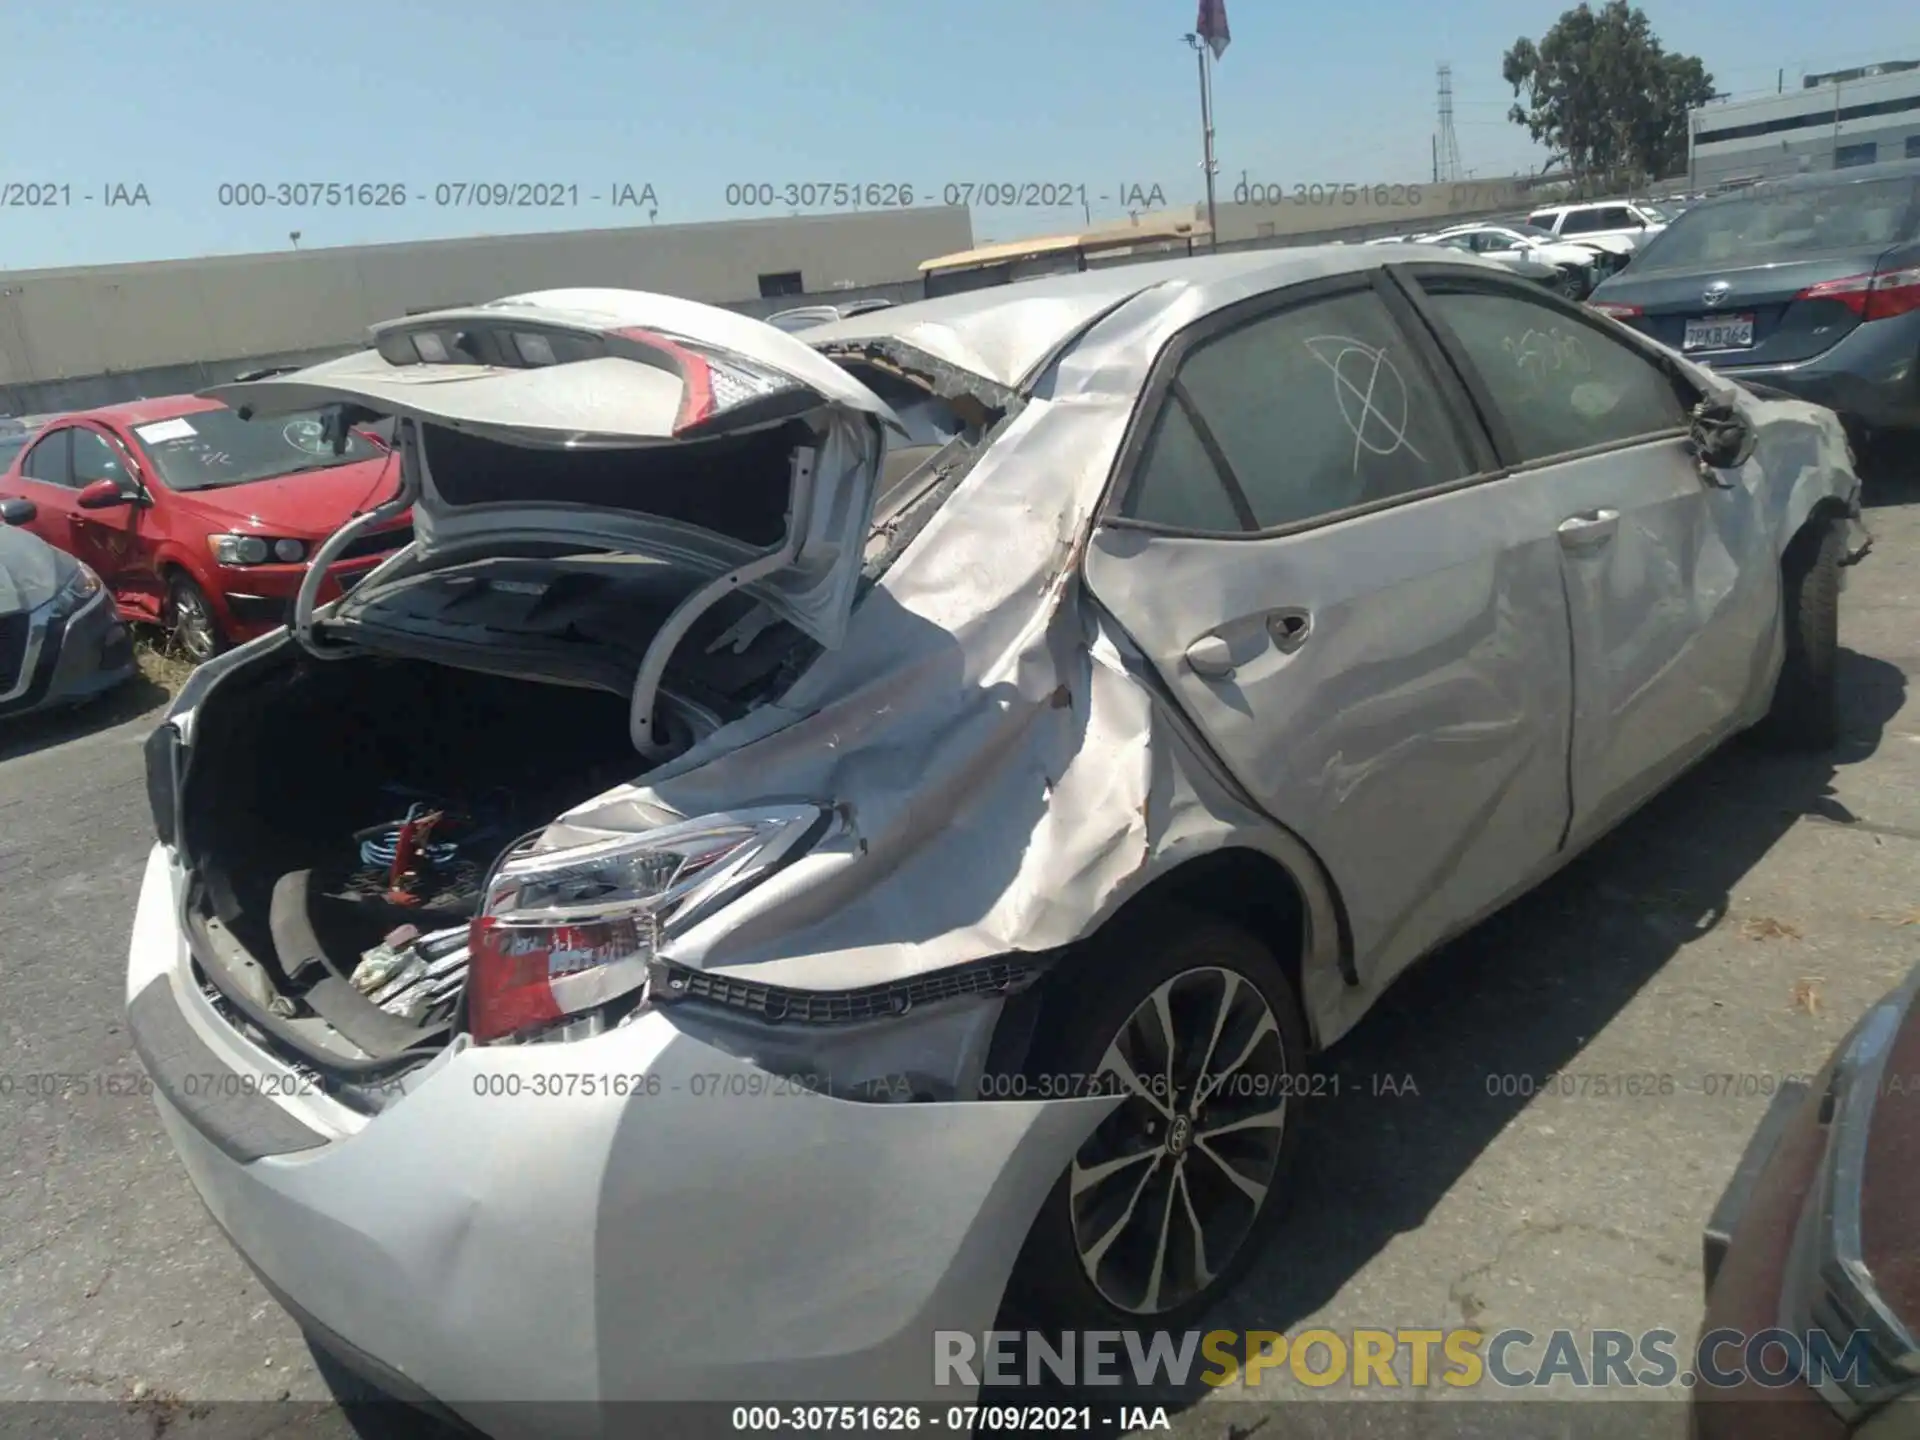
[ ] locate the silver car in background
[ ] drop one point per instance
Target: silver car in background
(965, 765)
(1578, 268)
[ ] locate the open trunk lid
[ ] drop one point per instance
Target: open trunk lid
(601, 371)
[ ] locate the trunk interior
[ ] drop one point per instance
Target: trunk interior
(302, 777)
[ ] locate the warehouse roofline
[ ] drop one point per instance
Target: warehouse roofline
(402, 248)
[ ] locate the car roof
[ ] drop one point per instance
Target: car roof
(139, 412)
(1003, 332)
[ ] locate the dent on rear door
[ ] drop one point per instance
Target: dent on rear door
(1416, 740)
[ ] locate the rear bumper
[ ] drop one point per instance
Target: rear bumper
(1872, 376)
(638, 1216)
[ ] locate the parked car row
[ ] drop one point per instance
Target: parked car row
(1071, 731)
(196, 519)
(1570, 268)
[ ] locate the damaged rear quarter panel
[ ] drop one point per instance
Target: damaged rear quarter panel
(1002, 782)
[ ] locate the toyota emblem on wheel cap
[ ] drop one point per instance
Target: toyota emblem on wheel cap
(1716, 293)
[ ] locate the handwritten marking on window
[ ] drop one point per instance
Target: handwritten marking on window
(1540, 354)
(1371, 393)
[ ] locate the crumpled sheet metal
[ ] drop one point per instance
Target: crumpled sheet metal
(1002, 782)
(992, 776)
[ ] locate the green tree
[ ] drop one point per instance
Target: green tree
(1603, 96)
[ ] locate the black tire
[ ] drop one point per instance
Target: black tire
(1051, 1286)
(190, 623)
(1805, 714)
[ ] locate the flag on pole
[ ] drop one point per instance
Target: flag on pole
(1212, 26)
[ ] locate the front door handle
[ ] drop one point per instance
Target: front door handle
(1211, 656)
(1588, 530)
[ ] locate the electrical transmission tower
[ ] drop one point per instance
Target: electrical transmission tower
(1446, 144)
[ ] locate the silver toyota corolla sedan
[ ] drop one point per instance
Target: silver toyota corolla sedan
(814, 836)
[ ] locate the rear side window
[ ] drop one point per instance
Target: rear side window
(47, 461)
(1297, 415)
(1559, 384)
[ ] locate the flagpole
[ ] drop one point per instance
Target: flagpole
(1206, 123)
(1204, 56)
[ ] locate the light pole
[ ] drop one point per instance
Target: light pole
(1204, 57)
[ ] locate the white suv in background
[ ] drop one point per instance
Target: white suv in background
(1635, 221)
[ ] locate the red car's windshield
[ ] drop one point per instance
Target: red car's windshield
(214, 448)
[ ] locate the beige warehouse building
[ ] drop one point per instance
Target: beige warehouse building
(77, 337)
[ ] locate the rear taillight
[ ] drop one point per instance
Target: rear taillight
(524, 975)
(564, 932)
(696, 376)
(1615, 309)
(1872, 297)
(711, 386)
(164, 754)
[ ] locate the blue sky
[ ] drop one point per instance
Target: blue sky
(185, 96)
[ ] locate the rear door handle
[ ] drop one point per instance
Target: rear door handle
(1588, 530)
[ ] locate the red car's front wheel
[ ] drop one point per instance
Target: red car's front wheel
(191, 625)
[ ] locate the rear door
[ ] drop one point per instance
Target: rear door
(1738, 282)
(1310, 541)
(1673, 582)
(616, 370)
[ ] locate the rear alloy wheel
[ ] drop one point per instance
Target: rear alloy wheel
(1164, 1204)
(190, 622)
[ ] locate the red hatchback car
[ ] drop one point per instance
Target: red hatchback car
(198, 520)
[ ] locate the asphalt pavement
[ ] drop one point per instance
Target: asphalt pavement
(1736, 928)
